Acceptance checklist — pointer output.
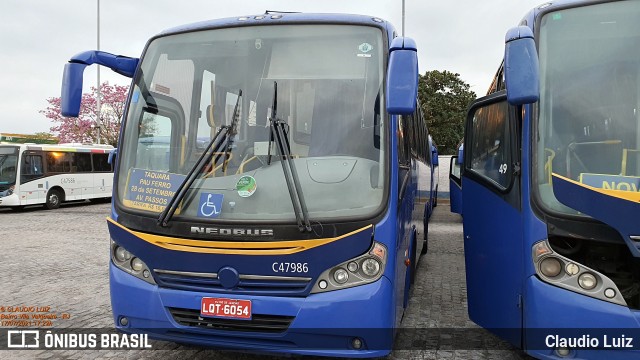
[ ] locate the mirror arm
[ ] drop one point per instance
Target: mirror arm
(123, 65)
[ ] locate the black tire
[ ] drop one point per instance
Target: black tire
(54, 198)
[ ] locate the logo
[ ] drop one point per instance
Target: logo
(210, 205)
(365, 47)
(231, 231)
(23, 339)
(246, 186)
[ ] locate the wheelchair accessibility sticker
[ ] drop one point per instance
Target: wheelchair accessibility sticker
(210, 205)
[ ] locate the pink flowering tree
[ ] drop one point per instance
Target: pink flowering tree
(84, 127)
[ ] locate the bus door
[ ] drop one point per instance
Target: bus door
(455, 185)
(492, 217)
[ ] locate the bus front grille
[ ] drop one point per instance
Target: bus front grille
(258, 323)
(247, 284)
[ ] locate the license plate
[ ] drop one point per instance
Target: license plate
(226, 308)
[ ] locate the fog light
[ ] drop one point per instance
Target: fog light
(136, 264)
(610, 293)
(341, 276)
(356, 343)
(370, 267)
(322, 284)
(587, 281)
(563, 352)
(550, 267)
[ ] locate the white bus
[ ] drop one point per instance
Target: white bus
(51, 174)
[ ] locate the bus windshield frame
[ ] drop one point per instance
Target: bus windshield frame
(8, 160)
(586, 127)
(341, 94)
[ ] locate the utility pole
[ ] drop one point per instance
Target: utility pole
(98, 104)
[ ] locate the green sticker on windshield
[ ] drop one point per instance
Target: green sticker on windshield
(246, 186)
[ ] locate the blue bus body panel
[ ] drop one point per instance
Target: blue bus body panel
(493, 259)
(621, 214)
(324, 323)
(551, 310)
(455, 197)
(289, 18)
(157, 257)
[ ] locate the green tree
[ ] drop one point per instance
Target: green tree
(444, 98)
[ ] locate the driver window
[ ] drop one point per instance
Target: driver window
(490, 148)
(154, 142)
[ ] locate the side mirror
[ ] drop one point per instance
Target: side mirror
(112, 157)
(521, 68)
(402, 77)
(71, 93)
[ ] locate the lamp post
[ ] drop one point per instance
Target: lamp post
(98, 105)
(402, 17)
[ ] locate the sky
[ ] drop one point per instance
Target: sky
(37, 37)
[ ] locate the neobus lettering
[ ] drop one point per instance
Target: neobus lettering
(624, 186)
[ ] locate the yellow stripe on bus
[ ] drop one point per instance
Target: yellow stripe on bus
(620, 194)
(235, 247)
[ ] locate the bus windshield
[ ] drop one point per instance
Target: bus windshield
(589, 122)
(8, 166)
(329, 89)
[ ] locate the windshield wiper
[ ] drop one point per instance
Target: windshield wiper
(279, 133)
(226, 135)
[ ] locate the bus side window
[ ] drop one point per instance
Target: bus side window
(31, 168)
(57, 162)
(101, 163)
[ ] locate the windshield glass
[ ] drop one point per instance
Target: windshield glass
(589, 119)
(8, 166)
(329, 80)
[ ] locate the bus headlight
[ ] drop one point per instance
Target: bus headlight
(341, 276)
(565, 273)
(550, 267)
(121, 254)
(587, 281)
(370, 267)
(127, 262)
(364, 269)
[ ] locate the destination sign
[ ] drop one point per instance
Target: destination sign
(151, 190)
(611, 182)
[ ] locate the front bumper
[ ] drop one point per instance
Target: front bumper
(322, 324)
(10, 200)
(553, 314)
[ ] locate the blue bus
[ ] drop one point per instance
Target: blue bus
(297, 225)
(550, 185)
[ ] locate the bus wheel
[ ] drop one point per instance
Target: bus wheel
(54, 197)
